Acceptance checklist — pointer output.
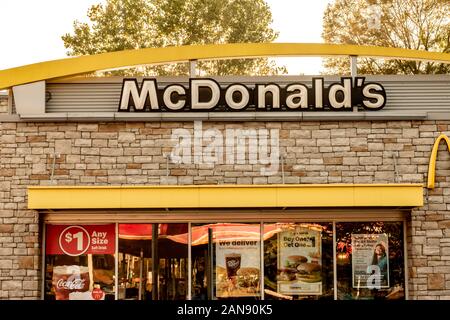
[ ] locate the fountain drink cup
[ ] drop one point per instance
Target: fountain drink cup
(67, 279)
(233, 264)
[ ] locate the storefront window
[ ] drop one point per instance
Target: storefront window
(135, 261)
(298, 261)
(153, 270)
(226, 260)
(153, 261)
(173, 261)
(370, 260)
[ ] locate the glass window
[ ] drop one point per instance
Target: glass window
(226, 261)
(370, 260)
(153, 270)
(298, 261)
(135, 261)
(80, 262)
(173, 261)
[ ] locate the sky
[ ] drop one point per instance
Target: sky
(31, 30)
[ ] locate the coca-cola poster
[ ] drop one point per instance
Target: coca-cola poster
(75, 240)
(71, 282)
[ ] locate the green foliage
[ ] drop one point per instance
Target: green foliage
(410, 24)
(134, 24)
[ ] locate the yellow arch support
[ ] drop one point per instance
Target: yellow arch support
(86, 64)
(432, 164)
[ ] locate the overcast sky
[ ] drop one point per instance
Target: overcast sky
(31, 29)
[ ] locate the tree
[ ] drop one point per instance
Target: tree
(134, 24)
(410, 24)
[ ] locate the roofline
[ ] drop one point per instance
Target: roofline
(69, 67)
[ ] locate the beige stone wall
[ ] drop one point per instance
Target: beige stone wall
(3, 103)
(133, 153)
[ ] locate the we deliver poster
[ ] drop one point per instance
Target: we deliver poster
(238, 268)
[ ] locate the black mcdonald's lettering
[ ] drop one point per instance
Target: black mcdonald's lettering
(204, 94)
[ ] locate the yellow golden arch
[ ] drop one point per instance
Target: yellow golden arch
(85, 64)
(432, 164)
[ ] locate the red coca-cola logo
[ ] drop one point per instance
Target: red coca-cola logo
(74, 240)
(71, 284)
(97, 294)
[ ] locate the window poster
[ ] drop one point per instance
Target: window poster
(75, 240)
(238, 268)
(299, 262)
(370, 261)
(80, 260)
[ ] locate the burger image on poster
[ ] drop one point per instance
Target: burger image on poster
(248, 277)
(297, 268)
(294, 261)
(289, 271)
(309, 272)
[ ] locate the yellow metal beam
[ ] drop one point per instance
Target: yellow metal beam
(433, 156)
(86, 64)
(226, 196)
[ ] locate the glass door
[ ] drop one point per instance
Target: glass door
(153, 261)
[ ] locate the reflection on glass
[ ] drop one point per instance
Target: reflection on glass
(298, 261)
(226, 261)
(144, 277)
(370, 261)
(135, 261)
(172, 256)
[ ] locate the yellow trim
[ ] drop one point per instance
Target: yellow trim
(432, 164)
(86, 64)
(226, 196)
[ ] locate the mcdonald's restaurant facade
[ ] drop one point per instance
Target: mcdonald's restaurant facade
(233, 187)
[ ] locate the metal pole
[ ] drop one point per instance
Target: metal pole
(193, 68)
(44, 227)
(189, 293)
(334, 262)
(141, 266)
(261, 248)
(282, 168)
(210, 289)
(116, 264)
(405, 260)
(354, 72)
(155, 261)
(353, 66)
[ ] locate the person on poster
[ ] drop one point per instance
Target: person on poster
(380, 258)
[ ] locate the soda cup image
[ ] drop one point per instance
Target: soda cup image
(232, 263)
(68, 279)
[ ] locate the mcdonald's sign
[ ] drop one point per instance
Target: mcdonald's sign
(432, 164)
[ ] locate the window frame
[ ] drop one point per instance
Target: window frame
(261, 216)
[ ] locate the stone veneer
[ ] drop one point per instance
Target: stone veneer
(133, 153)
(3, 103)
